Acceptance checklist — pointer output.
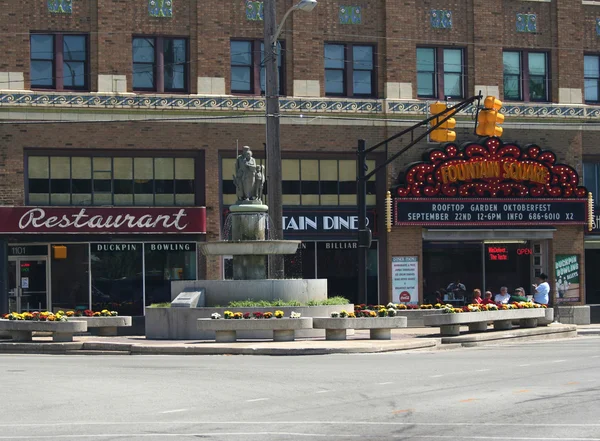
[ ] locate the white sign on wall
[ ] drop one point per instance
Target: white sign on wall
(405, 276)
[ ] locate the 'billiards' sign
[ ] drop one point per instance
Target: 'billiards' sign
(491, 183)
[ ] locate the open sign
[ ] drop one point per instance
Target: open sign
(524, 251)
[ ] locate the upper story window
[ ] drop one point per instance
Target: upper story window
(591, 175)
(309, 181)
(248, 67)
(526, 76)
(591, 75)
(110, 180)
(440, 73)
(350, 70)
(160, 64)
(59, 61)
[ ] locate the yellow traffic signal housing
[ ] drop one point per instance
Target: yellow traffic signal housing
(442, 133)
(489, 118)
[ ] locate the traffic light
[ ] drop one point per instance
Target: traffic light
(489, 118)
(443, 132)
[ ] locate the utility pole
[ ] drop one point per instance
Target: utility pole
(274, 198)
(364, 234)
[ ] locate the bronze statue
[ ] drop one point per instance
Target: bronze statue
(249, 177)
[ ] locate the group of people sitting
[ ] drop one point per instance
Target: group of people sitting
(541, 294)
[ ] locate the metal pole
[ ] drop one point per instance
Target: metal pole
(362, 221)
(3, 277)
(274, 191)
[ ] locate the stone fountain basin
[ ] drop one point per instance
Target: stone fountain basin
(249, 247)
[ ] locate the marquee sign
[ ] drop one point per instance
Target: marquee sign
(106, 220)
(491, 169)
(490, 183)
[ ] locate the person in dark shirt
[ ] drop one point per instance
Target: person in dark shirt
(518, 296)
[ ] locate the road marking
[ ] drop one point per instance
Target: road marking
(323, 391)
(403, 411)
(468, 400)
(388, 382)
(522, 391)
(558, 361)
(595, 356)
(482, 370)
(243, 435)
(524, 365)
(435, 376)
(176, 410)
(573, 382)
(256, 399)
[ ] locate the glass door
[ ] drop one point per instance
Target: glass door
(28, 284)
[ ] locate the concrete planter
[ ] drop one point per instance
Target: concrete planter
(22, 330)
(106, 326)
(226, 330)
(450, 323)
(416, 317)
(180, 323)
(335, 327)
(574, 315)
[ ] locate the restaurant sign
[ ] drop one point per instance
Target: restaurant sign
(102, 220)
(489, 183)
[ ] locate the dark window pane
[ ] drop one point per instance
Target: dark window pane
(334, 56)
(143, 76)
(512, 63)
(362, 82)
(329, 187)
(143, 50)
(453, 60)
(241, 79)
(334, 81)
(452, 85)
(537, 88)
(591, 65)
(186, 186)
(102, 186)
(241, 53)
(537, 64)
(310, 187)
(174, 77)
(42, 47)
(164, 186)
(123, 186)
(39, 186)
(371, 188)
(42, 73)
(83, 186)
(362, 57)
(591, 90)
(74, 48)
(74, 74)
(290, 187)
(175, 51)
(426, 60)
(589, 178)
(347, 187)
(143, 187)
(425, 84)
(228, 187)
(60, 186)
(512, 89)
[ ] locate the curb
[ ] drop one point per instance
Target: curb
(543, 332)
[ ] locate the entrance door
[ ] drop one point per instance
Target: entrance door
(28, 284)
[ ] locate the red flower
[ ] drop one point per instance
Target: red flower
(246, 315)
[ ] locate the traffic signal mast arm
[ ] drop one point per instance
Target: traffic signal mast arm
(448, 112)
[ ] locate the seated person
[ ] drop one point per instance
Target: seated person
(518, 296)
(503, 297)
(488, 298)
(477, 300)
(457, 289)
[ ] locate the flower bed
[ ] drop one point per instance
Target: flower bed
(256, 315)
(60, 316)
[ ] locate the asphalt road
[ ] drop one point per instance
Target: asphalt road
(548, 390)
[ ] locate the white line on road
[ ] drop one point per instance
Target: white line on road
(435, 376)
(482, 370)
(558, 361)
(524, 365)
(175, 410)
(322, 391)
(244, 435)
(387, 382)
(256, 399)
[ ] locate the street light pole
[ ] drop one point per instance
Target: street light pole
(274, 192)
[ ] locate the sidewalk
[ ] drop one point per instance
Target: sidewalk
(402, 340)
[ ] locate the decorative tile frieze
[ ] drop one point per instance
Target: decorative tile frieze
(526, 23)
(287, 104)
(440, 18)
(254, 10)
(351, 15)
(60, 6)
(160, 8)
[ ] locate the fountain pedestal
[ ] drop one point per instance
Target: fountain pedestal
(249, 223)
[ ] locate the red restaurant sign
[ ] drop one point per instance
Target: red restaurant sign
(102, 220)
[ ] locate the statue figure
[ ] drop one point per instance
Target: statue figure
(248, 178)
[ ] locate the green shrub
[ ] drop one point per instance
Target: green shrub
(249, 303)
(160, 305)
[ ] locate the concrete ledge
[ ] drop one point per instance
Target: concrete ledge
(39, 347)
(551, 331)
(22, 330)
(226, 329)
(335, 327)
(106, 326)
(416, 317)
(574, 315)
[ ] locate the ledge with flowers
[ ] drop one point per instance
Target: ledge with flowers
(21, 325)
(380, 320)
(477, 317)
(227, 326)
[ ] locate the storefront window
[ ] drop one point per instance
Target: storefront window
(71, 278)
(117, 277)
(166, 261)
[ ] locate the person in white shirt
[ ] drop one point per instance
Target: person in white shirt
(503, 297)
(542, 290)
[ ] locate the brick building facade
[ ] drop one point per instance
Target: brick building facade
(158, 82)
